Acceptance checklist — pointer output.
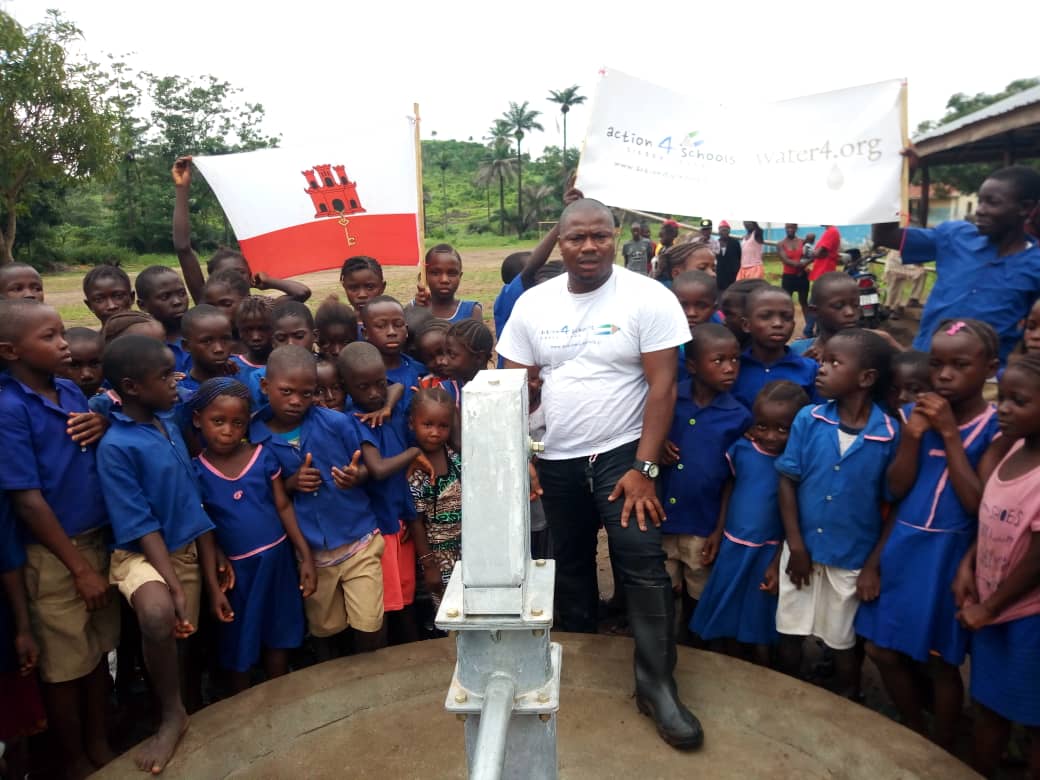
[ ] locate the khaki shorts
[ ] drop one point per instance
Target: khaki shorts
(825, 608)
(349, 594)
(72, 639)
(131, 570)
(684, 562)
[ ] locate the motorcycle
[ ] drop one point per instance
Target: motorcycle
(857, 265)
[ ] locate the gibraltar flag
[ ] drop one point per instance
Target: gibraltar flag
(309, 208)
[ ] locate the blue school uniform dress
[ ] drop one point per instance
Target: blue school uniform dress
(972, 281)
(149, 484)
(329, 517)
(464, 311)
(732, 605)
(932, 531)
(266, 597)
(839, 496)
(503, 306)
(39, 455)
(692, 488)
(755, 375)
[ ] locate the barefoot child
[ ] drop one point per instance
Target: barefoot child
(107, 291)
(243, 492)
(443, 275)
(706, 422)
(769, 321)
(996, 586)
(50, 475)
(739, 600)
(20, 281)
(84, 367)
(437, 527)
(834, 303)
(207, 339)
(320, 451)
(161, 530)
(832, 483)
(161, 293)
(933, 478)
(385, 453)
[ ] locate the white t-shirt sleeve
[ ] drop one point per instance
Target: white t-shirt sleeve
(662, 323)
(514, 342)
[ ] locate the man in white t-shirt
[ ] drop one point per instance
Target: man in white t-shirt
(604, 341)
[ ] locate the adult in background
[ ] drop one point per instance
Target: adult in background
(637, 252)
(751, 246)
(795, 279)
(727, 258)
(824, 260)
(705, 235)
(667, 234)
(604, 341)
(988, 271)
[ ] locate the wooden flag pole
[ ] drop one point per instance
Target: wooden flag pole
(421, 213)
(904, 179)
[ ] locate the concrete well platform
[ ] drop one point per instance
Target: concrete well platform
(381, 716)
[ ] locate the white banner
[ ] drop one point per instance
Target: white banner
(832, 158)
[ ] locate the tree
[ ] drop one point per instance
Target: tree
(521, 120)
(501, 165)
(566, 98)
(54, 123)
(968, 177)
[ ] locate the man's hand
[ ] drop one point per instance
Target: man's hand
(182, 171)
(640, 498)
(86, 428)
(92, 588)
(536, 485)
(349, 475)
(799, 567)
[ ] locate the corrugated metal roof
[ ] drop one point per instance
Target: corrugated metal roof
(1016, 101)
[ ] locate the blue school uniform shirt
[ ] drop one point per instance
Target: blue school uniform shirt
(391, 497)
(503, 306)
(753, 513)
(245, 368)
(407, 374)
(39, 455)
(800, 346)
(329, 517)
(692, 488)
(242, 507)
(839, 496)
(932, 503)
(149, 483)
(464, 311)
(754, 375)
(181, 356)
(972, 281)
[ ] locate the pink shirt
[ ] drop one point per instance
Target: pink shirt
(1008, 514)
(750, 251)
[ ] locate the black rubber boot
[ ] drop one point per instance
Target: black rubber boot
(651, 614)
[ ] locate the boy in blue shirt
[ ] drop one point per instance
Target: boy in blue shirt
(385, 329)
(768, 320)
(161, 530)
(207, 338)
(706, 422)
(48, 435)
(321, 451)
(161, 293)
(832, 484)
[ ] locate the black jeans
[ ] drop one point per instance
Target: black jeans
(575, 500)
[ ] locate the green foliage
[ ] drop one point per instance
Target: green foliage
(968, 177)
(55, 126)
(97, 253)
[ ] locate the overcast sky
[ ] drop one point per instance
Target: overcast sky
(314, 64)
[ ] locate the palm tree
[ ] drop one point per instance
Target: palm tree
(521, 119)
(566, 98)
(500, 165)
(540, 203)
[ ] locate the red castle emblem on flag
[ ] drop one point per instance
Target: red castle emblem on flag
(332, 198)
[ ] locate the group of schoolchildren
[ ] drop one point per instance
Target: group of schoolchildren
(300, 475)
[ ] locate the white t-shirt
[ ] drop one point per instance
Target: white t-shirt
(589, 348)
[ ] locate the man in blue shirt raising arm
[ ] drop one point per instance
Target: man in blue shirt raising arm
(988, 271)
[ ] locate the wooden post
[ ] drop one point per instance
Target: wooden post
(421, 213)
(904, 179)
(926, 192)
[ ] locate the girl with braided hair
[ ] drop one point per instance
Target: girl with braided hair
(242, 490)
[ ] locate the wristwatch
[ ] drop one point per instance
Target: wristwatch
(647, 468)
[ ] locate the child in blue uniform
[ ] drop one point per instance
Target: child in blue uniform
(443, 275)
(769, 321)
(698, 294)
(161, 530)
(386, 455)
(362, 280)
(51, 479)
(321, 452)
(832, 483)
(161, 293)
(336, 325)
(834, 302)
(244, 495)
(739, 601)
(254, 325)
(385, 329)
(208, 339)
(707, 421)
(291, 323)
(84, 368)
(933, 477)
